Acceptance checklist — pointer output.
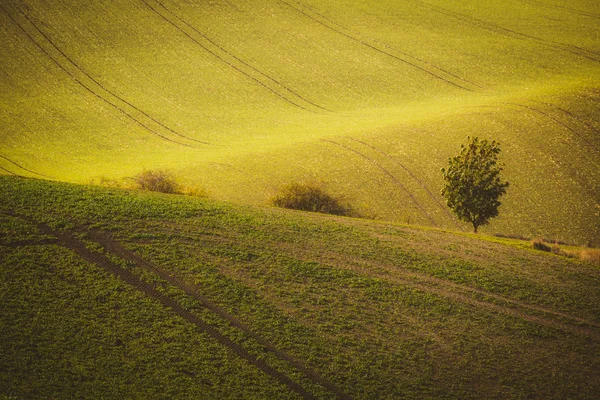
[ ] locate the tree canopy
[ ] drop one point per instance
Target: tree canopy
(473, 185)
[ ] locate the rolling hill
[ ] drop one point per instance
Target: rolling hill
(108, 293)
(369, 98)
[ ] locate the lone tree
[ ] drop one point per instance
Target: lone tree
(472, 182)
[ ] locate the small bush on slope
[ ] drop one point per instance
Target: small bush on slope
(304, 197)
(158, 181)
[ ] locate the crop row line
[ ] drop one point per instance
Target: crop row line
(111, 246)
(188, 30)
(415, 178)
(559, 122)
(221, 48)
(355, 37)
(576, 50)
(575, 172)
(21, 167)
(94, 87)
(572, 10)
(390, 48)
(389, 174)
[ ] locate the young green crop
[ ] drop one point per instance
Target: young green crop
(374, 309)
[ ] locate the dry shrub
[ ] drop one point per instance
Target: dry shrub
(313, 198)
(538, 244)
(590, 255)
(158, 181)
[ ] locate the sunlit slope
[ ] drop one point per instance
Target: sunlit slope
(368, 97)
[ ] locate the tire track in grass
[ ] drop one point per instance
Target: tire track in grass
(193, 291)
(22, 167)
(372, 47)
(415, 178)
(89, 87)
(390, 175)
(70, 242)
(221, 58)
(222, 49)
(388, 47)
(461, 293)
(576, 50)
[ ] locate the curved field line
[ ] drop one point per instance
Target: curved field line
(220, 58)
(102, 87)
(8, 172)
(416, 178)
(570, 114)
(362, 42)
(463, 294)
(70, 242)
(79, 82)
(582, 181)
(211, 41)
(385, 45)
(191, 290)
(576, 50)
(573, 131)
(389, 174)
(23, 168)
(572, 10)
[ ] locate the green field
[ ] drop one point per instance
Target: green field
(108, 293)
(239, 98)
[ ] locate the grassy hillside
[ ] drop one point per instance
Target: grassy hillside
(370, 98)
(125, 294)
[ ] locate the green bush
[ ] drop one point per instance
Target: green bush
(304, 197)
(157, 181)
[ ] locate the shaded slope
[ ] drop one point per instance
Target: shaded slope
(342, 307)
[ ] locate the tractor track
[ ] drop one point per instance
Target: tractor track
(576, 50)
(557, 121)
(557, 7)
(581, 180)
(221, 58)
(388, 47)
(116, 248)
(415, 178)
(111, 246)
(463, 294)
(21, 167)
(572, 116)
(389, 174)
(89, 87)
(222, 49)
(377, 49)
(9, 172)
